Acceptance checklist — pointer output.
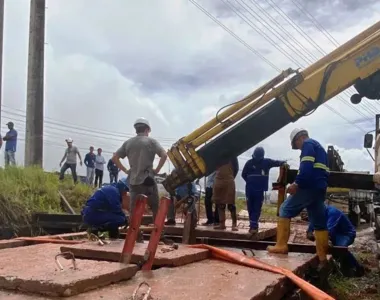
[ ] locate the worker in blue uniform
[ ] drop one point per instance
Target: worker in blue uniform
(103, 211)
(308, 191)
(180, 193)
(341, 233)
(256, 176)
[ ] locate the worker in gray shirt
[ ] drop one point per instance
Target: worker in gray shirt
(70, 156)
(141, 151)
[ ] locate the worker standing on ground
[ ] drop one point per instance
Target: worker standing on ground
(212, 217)
(224, 193)
(10, 145)
(104, 211)
(113, 170)
(141, 151)
(256, 176)
(89, 161)
(99, 168)
(70, 156)
(341, 233)
(308, 191)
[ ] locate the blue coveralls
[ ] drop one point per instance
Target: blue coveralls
(256, 175)
(103, 210)
(312, 180)
(341, 232)
(180, 192)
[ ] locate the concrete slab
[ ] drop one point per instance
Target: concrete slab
(4, 244)
(266, 230)
(111, 252)
(205, 280)
(33, 269)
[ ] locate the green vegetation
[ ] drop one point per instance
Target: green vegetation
(366, 287)
(27, 190)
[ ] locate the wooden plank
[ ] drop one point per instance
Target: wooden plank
(66, 204)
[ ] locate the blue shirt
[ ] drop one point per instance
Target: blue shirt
(337, 224)
(11, 142)
(89, 160)
(313, 172)
(111, 166)
(182, 191)
(104, 207)
(210, 180)
(256, 173)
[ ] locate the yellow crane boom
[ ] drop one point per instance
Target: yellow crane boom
(276, 104)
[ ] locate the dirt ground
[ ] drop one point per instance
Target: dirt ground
(365, 249)
(368, 286)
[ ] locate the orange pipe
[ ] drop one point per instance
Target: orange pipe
(251, 262)
(48, 240)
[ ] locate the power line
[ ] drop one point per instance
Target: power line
(321, 28)
(262, 21)
(257, 53)
(87, 129)
(227, 4)
(54, 125)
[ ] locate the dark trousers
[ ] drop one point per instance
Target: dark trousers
(98, 176)
(347, 259)
(72, 167)
(113, 176)
(255, 201)
(212, 217)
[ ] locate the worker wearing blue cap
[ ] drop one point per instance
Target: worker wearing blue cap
(103, 211)
(256, 175)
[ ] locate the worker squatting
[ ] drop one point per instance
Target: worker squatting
(104, 210)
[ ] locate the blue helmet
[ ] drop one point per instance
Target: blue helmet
(258, 153)
(123, 184)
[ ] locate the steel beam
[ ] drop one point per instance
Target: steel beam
(258, 245)
(342, 180)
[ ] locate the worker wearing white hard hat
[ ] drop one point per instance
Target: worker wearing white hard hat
(308, 191)
(141, 151)
(70, 159)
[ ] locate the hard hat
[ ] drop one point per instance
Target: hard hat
(69, 140)
(142, 120)
(258, 153)
(122, 184)
(296, 133)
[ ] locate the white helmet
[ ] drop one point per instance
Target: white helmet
(142, 121)
(296, 133)
(69, 140)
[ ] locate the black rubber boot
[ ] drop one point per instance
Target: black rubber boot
(113, 233)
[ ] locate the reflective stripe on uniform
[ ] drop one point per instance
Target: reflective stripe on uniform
(319, 166)
(308, 158)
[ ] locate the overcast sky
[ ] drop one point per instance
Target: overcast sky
(107, 64)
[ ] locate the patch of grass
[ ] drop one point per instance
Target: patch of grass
(24, 191)
(77, 194)
(366, 287)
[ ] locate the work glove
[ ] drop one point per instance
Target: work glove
(310, 236)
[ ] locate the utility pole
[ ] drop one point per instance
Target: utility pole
(1, 53)
(35, 85)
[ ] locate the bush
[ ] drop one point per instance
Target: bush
(24, 191)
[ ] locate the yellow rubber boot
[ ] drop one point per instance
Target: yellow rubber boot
(322, 244)
(283, 233)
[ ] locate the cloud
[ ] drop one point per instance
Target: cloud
(106, 65)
